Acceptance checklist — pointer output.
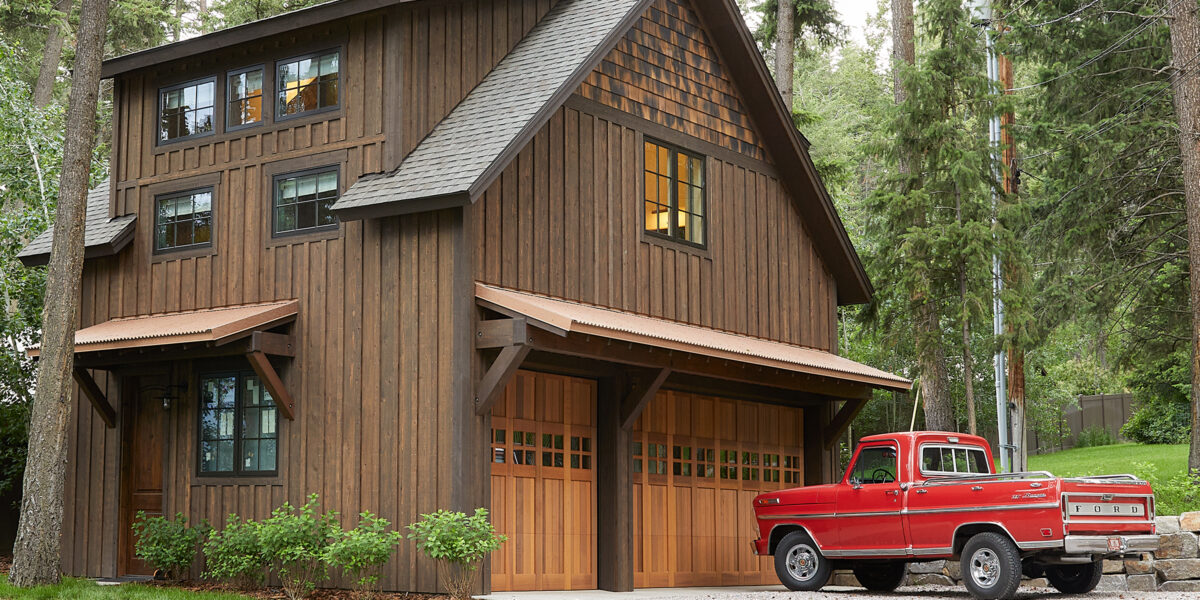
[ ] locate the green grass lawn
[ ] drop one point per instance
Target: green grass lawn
(1165, 467)
(84, 589)
(1107, 460)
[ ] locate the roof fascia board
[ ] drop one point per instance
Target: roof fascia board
(405, 207)
(315, 15)
(542, 116)
(723, 20)
(109, 248)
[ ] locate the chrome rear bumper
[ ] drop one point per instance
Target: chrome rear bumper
(1099, 544)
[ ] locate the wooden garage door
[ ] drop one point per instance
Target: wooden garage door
(543, 483)
(698, 463)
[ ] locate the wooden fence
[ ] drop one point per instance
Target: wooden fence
(1107, 411)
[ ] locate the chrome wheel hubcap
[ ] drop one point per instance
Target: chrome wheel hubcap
(802, 562)
(985, 567)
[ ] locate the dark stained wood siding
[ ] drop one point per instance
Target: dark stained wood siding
(565, 219)
(667, 70)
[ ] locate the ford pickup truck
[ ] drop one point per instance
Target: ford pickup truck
(926, 495)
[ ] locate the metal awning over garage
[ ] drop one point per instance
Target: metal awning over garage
(563, 317)
(231, 330)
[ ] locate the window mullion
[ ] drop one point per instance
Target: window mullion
(237, 424)
(673, 195)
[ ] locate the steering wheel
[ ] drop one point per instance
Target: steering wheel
(882, 475)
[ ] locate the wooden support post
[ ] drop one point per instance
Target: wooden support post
(614, 491)
(262, 366)
(839, 423)
(88, 386)
(817, 465)
(641, 395)
(274, 344)
(497, 376)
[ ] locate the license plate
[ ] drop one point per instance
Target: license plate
(1104, 509)
(1114, 544)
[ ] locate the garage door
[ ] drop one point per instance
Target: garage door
(543, 483)
(698, 463)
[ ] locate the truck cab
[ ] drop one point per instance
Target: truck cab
(921, 496)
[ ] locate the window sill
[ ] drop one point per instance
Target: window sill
(291, 239)
(161, 256)
(653, 239)
(237, 480)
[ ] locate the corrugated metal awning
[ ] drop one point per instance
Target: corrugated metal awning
(564, 316)
(216, 325)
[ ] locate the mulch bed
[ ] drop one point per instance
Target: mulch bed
(5, 563)
(277, 593)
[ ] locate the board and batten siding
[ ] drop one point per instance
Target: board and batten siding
(384, 357)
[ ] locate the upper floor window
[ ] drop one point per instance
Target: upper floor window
(183, 220)
(674, 198)
(302, 201)
(307, 83)
(238, 425)
(244, 97)
(186, 110)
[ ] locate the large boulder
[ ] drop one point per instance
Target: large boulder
(933, 566)
(844, 578)
(928, 579)
(1139, 567)
(1177, 545)
(1180, 586)
(1040, 582)
(1166, 525)
(1189, 521)
(1113, 566)
(1141, 583)
(1111, 583)
(1178, 568)
(953, 570)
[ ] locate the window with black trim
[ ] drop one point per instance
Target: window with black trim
(186, 110)
(674, 194)
(875, 464)
(183, 220)
(306, 83)
(303, 201)
(244, 97)
(238, 425)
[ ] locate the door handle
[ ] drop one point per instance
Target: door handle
(976, 488)
(922, 491)
(892, 492)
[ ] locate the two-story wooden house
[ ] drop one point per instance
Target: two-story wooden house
(565, 259)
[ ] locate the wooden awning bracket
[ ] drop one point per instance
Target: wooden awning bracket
(88, 386)
(643, 392)
(841, 420)
(270, 378)
(512, 337)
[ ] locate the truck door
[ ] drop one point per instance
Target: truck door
(869, 503)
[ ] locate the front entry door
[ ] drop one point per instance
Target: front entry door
(144, 426)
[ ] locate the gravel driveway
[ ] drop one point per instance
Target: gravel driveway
(828, 593)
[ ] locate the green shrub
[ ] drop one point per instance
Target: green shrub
(235, 553)
(1159, 421)
(1174, 494)
(457, 542)
(1094, 436)
(293, 542)
(361, 552)
(166, 545)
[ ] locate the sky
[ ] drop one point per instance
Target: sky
(854, 15)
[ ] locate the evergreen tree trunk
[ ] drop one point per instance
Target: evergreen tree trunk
(968, 366)
(1185, 50)
(785, 50)
(931, 357)
(36, 558)
(43, 90)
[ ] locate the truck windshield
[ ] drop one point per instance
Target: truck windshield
(875, 464)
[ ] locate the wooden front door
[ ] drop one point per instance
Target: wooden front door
(144, 427)
(544, 483)
(698, 463)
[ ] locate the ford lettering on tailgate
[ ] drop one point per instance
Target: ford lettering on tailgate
(1099, 509)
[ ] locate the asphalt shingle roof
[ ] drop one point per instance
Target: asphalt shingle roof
(502, 110)
(101, 234)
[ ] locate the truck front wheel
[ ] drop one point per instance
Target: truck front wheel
(799, 564)
(880, 576)
(991, 566)
(1075, 579)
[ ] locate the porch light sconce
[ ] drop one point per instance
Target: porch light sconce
(168, 395)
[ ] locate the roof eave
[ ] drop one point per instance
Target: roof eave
(402, 207)
(108, 248)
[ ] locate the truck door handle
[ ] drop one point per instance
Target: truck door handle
(922, 491)
(976, 488)
(892, 492)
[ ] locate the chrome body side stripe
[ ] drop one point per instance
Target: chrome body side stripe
(1042, 505)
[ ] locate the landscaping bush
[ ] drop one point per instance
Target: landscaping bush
(166, 545)
(294, 542)
(1094, 436)
(361, 552)
(1159, 421)
(236, 554)
(1173, 494)
(457, 542)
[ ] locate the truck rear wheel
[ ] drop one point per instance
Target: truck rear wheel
(1075, 579)
(991, 566)
(799, 563)
(882, 576)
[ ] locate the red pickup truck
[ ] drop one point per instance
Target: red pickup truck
(931, 495)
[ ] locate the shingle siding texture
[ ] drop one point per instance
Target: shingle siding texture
(98, 229)
(506, 103)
